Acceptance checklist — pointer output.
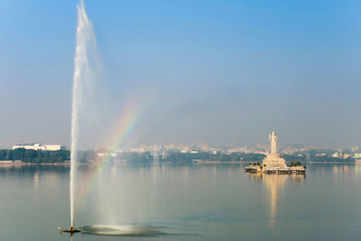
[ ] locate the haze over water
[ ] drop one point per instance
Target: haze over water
(208, 202)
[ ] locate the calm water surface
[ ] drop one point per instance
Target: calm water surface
(208, 202)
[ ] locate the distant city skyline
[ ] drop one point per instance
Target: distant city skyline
(189, 72)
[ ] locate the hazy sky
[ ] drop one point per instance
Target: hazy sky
(212, 72)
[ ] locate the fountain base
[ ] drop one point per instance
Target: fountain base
(71, 230)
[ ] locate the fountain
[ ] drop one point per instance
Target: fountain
(83, 75)
(84, 81)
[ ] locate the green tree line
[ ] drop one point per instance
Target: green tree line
(35, 156)
(220, 156)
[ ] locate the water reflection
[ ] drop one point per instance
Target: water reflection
(36, 179)
(214, 202)
(36, 174)
(121, 230)
(275, 186)
(357, 167)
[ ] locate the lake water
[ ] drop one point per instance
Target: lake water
(199, 202)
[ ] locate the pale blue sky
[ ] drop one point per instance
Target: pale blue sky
(216, 71)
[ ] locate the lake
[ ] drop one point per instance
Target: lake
(182, 202)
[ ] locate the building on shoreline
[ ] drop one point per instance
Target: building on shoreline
(37, 147)
(274, 163)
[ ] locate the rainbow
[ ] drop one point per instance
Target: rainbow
(122, 129)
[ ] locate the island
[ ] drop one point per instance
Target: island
(274, 163)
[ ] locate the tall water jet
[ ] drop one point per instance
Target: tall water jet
(84, 75)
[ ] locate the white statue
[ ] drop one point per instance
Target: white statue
(274, 143)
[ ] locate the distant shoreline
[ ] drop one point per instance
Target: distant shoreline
(18, 163)
(24, 164)
(218, 162)
(311, 162)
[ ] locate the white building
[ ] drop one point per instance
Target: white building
(38, 147)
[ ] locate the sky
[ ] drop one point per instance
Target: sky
(216, 72)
